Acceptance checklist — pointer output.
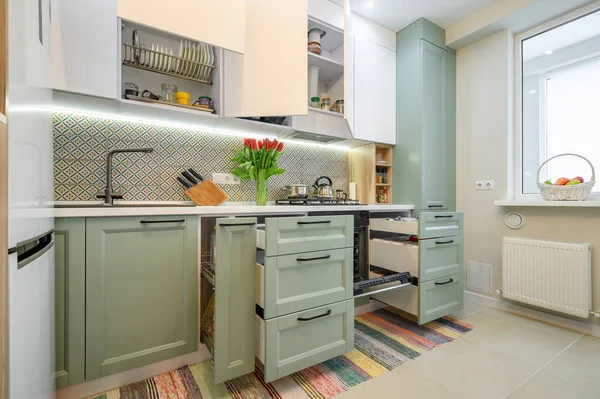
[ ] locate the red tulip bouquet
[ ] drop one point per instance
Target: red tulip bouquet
(258, 161)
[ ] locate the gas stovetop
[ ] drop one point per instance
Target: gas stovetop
(316, 201)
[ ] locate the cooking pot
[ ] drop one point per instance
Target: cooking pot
(296, 191)
(324, 190)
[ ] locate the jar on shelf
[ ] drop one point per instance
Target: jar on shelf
(168, 92)
(326, 103)
(315, 102)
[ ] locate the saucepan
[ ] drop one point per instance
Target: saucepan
(296, 191)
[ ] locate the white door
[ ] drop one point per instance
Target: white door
(85, 47)
(30, 163)
(349, 105)
(375, 90)
(31, 327)
(271, 78)
(221, 23)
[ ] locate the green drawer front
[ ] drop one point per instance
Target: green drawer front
(440, 224)
(286, 236)
(299, 282)
(440, 257)
(440, 297)
(293, 344)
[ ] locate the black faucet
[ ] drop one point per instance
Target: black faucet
(108, 194)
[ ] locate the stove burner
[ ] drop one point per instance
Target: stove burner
(315, 201)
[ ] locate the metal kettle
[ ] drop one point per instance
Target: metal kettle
(324, 190)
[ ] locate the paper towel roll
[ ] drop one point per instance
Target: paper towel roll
(352, 193)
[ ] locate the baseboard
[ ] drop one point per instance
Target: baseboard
(103, 384)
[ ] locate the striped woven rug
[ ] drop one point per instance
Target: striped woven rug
(383, 340)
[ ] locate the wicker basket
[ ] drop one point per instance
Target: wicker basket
(578, 192)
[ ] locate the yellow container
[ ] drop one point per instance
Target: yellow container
(182, 97)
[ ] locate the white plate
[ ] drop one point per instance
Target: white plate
(178, 62)
(187, 55)
(170, 67)
(152, 57)
(203, 59)
(195, 59)
(199, 58)
(211, 60)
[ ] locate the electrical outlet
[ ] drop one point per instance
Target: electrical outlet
(484, 185)
(225, 178)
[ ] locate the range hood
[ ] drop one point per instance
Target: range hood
(319, 126)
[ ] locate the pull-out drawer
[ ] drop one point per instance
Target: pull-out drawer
(430, 225)
(440, 257)
(300, 340)
(303, 281)
(284, 236)
(440, 297)
(396, 256)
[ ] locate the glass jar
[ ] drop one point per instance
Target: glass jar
(326, 103)
(315, 102)
(168, 92)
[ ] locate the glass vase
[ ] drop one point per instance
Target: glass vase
(261, 192)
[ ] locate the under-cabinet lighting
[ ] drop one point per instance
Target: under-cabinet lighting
(548, 52)
(162, 123)
(532, 91)
(369, 4)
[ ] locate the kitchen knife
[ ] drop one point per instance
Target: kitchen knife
(188, 176)
(196, 174)
(184, 182)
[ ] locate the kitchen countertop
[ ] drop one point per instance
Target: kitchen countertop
(79, 209)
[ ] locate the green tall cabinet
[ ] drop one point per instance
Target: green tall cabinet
(425, 154)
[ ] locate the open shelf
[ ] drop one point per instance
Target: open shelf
(329, 69)
(323, 111)
(333, 38)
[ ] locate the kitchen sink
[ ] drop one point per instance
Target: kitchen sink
(126, 205)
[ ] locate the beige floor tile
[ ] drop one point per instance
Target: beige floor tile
(529, 321)
(580, 363)
(469, 308)
(473, 371)
(402, 382)
(548, 386)
(521, 341)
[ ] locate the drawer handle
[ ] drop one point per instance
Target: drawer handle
(316, 317)
(321, 222)
(238, 224)
(445, 282)
(435, 206)
(309, 259)
(443, 216)
(162, 221)
(444, 242)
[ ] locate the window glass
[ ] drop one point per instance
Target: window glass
(561, 101)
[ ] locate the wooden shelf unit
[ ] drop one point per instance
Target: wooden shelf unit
(364, 170)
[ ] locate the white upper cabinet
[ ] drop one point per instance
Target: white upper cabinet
(221, 23)
(349, 66)
(271, 78)
(375, 91)
(84, 47)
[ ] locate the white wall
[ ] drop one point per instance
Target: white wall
(484, 147)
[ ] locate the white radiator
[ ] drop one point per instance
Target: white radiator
(555, 275)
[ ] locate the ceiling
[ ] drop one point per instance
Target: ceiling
(397, 14)
(564, 36)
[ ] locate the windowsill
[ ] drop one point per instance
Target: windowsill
(551, 204)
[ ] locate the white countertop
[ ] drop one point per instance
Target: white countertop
(228, 209)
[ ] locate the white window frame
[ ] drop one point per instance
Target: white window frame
(517, 167)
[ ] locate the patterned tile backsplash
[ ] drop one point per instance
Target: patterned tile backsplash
(82, 142)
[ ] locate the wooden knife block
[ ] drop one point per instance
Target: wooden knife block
(206, 193)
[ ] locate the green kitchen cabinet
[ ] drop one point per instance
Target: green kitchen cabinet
(440, 297)
(425, 166)
(234, 320)
(69, 294)
(440, 257)
(141, 289)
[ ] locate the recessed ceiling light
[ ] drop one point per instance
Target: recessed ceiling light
(548, 52)
(369, 4)
(532, 91)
